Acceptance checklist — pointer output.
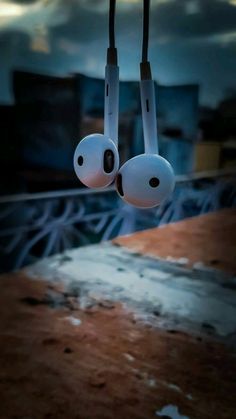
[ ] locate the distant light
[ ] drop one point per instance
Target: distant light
(224, 38)
(192, 7)
(10, 10)
(40, 44)
(232, 2)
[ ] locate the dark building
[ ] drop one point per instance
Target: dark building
(51, 114)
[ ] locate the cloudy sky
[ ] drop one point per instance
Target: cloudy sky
(191, 41)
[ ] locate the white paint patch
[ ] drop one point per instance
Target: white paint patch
(74, 320)
(178, 389)
(170, 259)
(129, 357)
(174, 387)
(151, 382)
(198, 265)
(171, 411)
(180, 261)
(192, 297)
(183, 261)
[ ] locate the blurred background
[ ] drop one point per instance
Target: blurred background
(52, 59)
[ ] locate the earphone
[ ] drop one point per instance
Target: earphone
(146, 180)
(96, 158)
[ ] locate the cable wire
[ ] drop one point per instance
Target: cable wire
(112, 9)
(146, 9)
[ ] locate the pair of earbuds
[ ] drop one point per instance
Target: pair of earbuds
(146, 180)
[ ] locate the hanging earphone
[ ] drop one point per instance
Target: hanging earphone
(146, 180)
(96, 158)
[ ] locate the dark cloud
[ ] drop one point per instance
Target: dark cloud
(209, 65)
(212, 17)
(168, 19)
(88, 20)
(188, 41)
(22, 1)
(82, 25)
(15, 39)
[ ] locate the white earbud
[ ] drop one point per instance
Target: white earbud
(145, 181)
(96, 158)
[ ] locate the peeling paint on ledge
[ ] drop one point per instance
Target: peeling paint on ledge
(157, 291)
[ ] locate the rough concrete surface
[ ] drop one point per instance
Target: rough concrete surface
(105, 332)
(179, 295)
(58, 361)
(209, 239)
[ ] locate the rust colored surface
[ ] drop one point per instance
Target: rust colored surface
(210, 239)
(109, 366)
(63, 359)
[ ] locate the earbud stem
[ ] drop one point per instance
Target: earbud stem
(148, 103)
(111, 102)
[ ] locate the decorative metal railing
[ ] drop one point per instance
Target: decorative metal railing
(37, 225)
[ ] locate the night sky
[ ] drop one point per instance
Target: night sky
(191, 41)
